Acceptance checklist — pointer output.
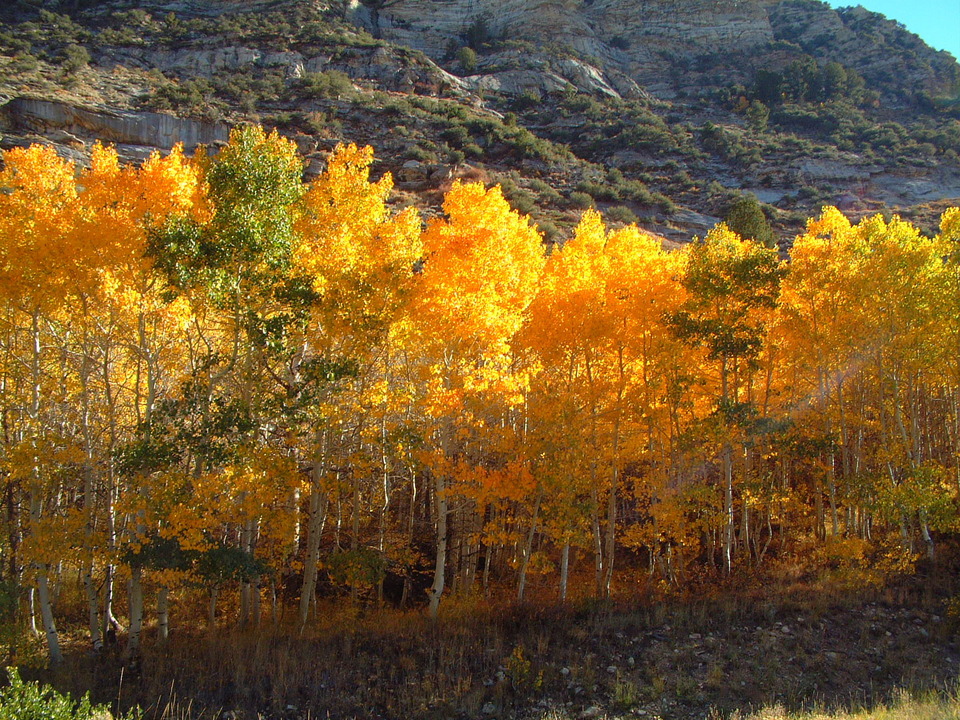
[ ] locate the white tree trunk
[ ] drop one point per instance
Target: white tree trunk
(728, 507)
(439, 571)
(93, 608)
(528, 546)
(132, 652)
(46, 613)
(163, 613)
(318, 515)
(564, 570)
(32, 612)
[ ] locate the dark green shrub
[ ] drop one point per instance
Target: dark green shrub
(544, 191)
(327, 84)
(13, 43)
(620, 42)
(478, 34)
(473, 150)
(758, 115)
(75, 58)
(581, 200)
(519, 199)
(527, 100)
(421, 154)
(665, 204)
(468, 59)
(550, 231)
(24, 63)
(193, 95)
(622, 214)
(456, 135)
(746, 218)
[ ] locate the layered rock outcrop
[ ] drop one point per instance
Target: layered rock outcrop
(145, 129)
(634, 36)
(652, 41)
(389, 68)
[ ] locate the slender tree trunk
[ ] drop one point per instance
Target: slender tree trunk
(832, 487)
(597, 534)
(528, 546)
(728, 507)
(42, 569)
(93, 607)
(89, 505)
(318, 516)
(727, 462)
(455, 553)
(611, 536)
(46, 614)
(925, 534)
(745, 529)
(411, 524)
(163, 613)
(564, 570)
(599, 559)
(32, 612)
(274, 609)
(247, 532)
(136, 614)
(111, 626)
(439, 570)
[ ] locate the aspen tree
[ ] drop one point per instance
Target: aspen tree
(359, 258)
(732, 287)
(483, 261)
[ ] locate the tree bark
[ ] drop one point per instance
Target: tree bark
(163, 613)
(46, 614)
(439, 570)
(564, 570)
(132, 652)
(318, 516)
(528, 546)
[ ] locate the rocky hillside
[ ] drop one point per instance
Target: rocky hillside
(658, 111)
(672, 48)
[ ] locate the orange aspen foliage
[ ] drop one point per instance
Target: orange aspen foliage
(39, 258)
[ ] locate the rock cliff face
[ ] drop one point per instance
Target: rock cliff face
(145, 129)
(389, 68)
(652, 40)
(633, 36)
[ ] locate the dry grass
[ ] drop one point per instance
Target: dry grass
(906, 706)
(926, 706)
(663, 658)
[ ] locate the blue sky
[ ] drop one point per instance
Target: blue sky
(936, 21)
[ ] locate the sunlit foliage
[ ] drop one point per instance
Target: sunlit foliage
(216, 378)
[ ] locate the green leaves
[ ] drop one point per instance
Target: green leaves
(31, 701)
(732, 283)
(244, 248)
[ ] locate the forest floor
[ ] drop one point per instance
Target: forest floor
(734, 652)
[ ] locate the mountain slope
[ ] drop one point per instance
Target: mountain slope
(658, 111)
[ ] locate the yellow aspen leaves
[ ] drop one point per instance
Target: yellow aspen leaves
(225, 364)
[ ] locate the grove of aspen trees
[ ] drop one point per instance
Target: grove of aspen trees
(224, 387)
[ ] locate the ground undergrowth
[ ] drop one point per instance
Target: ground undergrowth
(741, 651)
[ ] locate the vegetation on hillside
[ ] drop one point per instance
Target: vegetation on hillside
(750, 121)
